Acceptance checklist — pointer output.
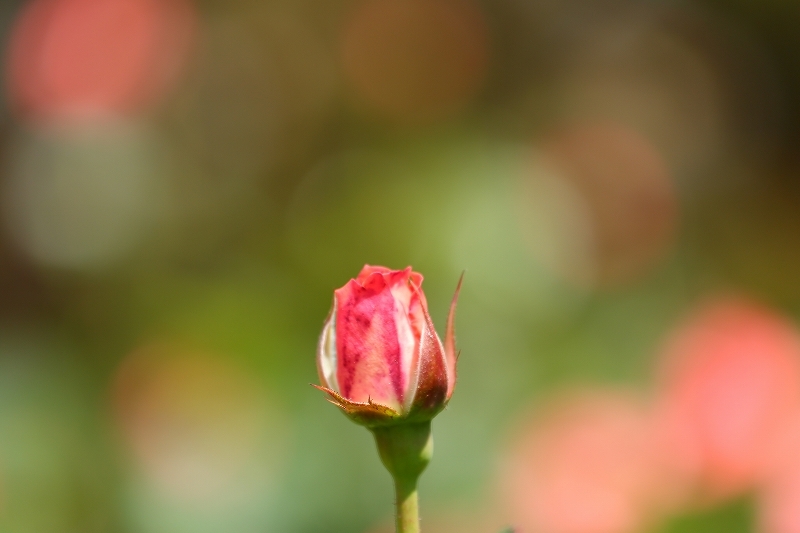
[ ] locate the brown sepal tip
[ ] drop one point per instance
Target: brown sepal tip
(362, 410)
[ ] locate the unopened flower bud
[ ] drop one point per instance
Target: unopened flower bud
(379, 357)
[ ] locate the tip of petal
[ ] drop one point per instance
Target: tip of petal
(370, 272)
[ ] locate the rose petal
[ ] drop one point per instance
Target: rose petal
(326, 351)
(367, 345)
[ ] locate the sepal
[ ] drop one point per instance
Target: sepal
(450, 341)
(369, 414)
(430, 392)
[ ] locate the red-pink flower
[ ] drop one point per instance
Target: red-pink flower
(379, 357)
(778, 497)
(730, 388)
(587, 463)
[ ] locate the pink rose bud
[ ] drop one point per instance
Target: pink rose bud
(379, 357)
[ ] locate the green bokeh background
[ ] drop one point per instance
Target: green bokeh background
(277, 200)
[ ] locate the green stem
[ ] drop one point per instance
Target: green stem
(407, 518)
(405, 451)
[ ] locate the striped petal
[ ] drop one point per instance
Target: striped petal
(369, 354)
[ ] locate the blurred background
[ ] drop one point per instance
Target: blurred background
(183, 184)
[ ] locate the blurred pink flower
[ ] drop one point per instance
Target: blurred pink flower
(779, 496)
(730, 385)
(588, 464)
(84, 59)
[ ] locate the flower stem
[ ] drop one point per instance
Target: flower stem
(407, 518)
(405, 451)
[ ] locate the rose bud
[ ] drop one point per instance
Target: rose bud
(379, 357)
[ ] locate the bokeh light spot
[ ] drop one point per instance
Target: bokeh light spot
(620, 182)
(198, 427)
(83, 198)
(655, 80)
(84, 59)
(415, 60)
